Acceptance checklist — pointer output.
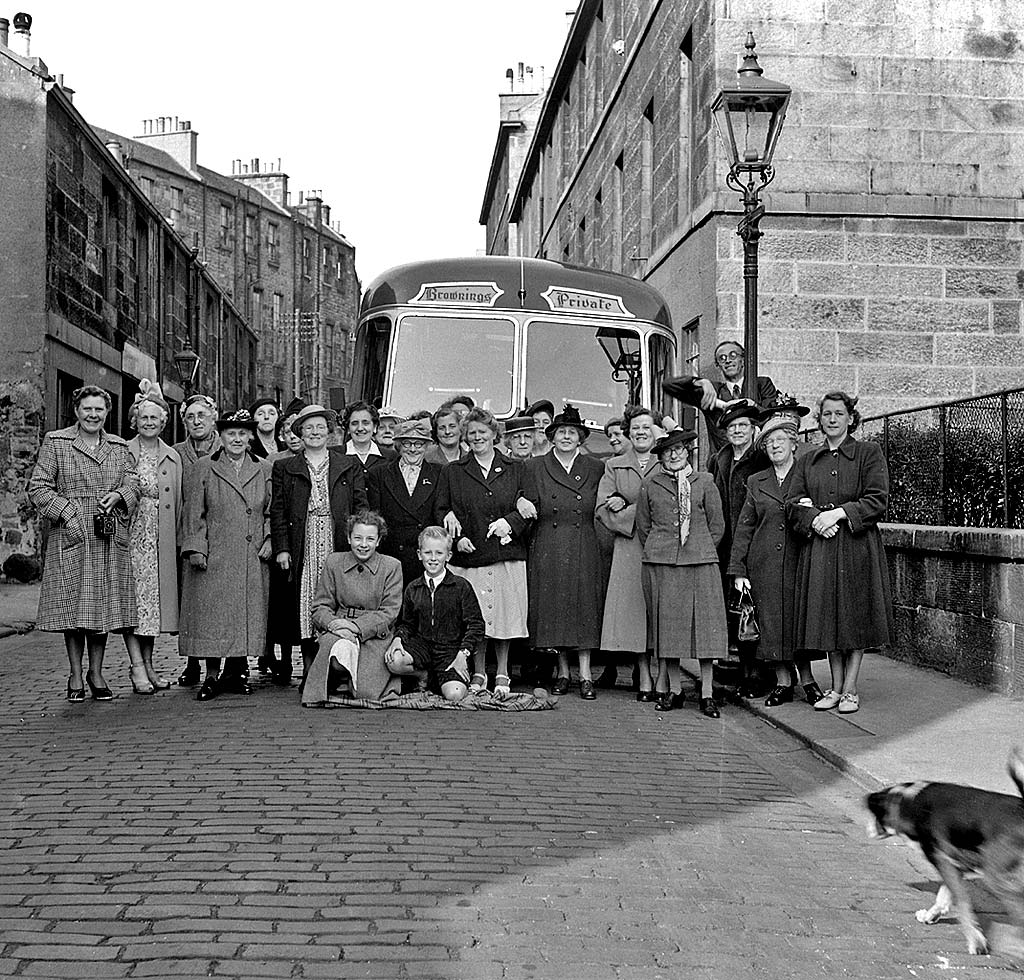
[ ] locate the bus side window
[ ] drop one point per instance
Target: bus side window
(372, 347)
(663, 366)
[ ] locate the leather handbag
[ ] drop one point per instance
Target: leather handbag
(747, 630)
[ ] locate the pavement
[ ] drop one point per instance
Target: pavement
(913, 724)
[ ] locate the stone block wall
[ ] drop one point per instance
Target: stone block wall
(902, 311)
(958, 600)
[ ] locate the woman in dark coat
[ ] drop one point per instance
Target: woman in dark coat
(314, 494)
(679, 521)
(839, 494)
(565, 573)
(764, 561)
(403, 491)
(225, 544)
(477, 504)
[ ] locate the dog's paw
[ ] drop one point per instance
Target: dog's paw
(977, 945)
(928, 916)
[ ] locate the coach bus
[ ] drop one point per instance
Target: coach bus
(509, 331)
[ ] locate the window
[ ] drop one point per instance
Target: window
(273, 243)
(687, 115)
(339, 269)
(256, 321)
(224, 229)
(250, 235)
(596, 230)
(645, 240)
(148, 186)
(305, 257)
(581, 241)
(328, 263)
(177, 203)
(617, 206)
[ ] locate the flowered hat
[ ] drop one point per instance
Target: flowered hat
(241, 418)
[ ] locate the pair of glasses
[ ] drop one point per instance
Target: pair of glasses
(726, 358)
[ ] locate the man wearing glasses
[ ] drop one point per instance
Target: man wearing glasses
(716, 397)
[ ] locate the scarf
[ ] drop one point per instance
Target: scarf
(683, 500)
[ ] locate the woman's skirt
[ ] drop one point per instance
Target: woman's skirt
(685, 611)
(501, 591)
(319, 542)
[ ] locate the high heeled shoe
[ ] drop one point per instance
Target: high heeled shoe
(141, 684)
(75, 694)
(99, 693)
(159, 682)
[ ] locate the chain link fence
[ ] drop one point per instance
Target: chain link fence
(958, 464)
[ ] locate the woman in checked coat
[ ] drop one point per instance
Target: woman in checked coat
(83, 474)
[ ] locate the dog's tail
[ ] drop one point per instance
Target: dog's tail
(1016, 767)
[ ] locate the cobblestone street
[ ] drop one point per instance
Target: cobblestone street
(160, 837)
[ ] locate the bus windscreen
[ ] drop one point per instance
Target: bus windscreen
(437, 357)
(596, 367)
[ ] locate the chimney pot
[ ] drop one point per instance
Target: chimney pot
(23, 33)
(5, 27)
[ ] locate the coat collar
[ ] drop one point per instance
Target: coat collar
(848, 447)
(630, 461)
(349, 563)
(225, 469)
(770, 485)
(163, 451)
(662, 478)
(576, 476)
(102, 450)
(500, 465)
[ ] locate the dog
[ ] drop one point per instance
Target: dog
(961, 830)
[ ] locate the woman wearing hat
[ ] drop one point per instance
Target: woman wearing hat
(838, 495)
(199, 416)
(764, 560)
(624, 627)
(153, 536)
(542, 412)
(225, 543)
(403, 492)
(565, 562)
(679, 521)
(314, 494)
(390, 420)
(519, 432)
(267, 415)
(476, 503)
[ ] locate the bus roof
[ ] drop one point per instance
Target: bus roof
(404, 285)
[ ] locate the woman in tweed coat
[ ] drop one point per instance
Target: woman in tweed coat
(87, 590)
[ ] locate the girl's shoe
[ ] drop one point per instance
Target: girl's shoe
(477, 683)
(141, 684)
(849, 703)
(561, 686)
(827, 701)
(664, 702)
(75, 694)
(502, 686)
(645, 695)
(160, 683)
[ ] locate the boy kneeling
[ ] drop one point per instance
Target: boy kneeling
(440, 624)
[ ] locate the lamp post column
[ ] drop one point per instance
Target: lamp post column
(749, 230)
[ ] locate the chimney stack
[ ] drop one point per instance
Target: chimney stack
(5, 32)
(115, 151)
(23, 34)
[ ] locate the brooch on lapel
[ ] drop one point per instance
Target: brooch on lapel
(497, 469)
(577, 478)
(427, 483)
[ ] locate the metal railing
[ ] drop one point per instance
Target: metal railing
(958, 464)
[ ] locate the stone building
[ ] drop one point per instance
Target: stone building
(95, 285)
(287, 267)
(891, 257)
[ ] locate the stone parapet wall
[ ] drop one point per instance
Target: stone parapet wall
(958, 599)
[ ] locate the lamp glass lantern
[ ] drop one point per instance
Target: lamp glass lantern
(749, 114)
(186, 363)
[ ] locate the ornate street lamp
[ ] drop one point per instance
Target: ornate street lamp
(749, 117)
(186, 363)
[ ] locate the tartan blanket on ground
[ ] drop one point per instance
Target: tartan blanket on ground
(425, 701)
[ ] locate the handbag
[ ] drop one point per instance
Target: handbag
(747, 631)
